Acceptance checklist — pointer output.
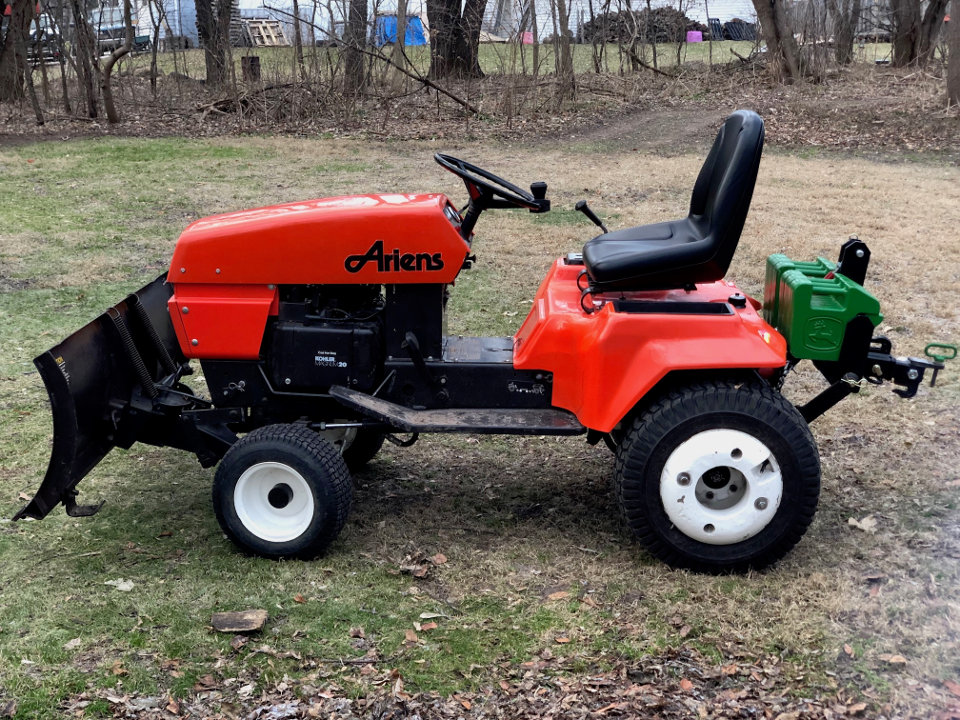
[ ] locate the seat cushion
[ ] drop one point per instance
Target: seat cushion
(649, 256)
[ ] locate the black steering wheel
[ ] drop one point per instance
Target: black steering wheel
(490, 191)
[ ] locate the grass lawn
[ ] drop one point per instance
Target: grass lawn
(538, 568)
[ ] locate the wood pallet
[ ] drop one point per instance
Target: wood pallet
(264, 32)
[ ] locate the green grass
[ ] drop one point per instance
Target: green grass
(88, 221)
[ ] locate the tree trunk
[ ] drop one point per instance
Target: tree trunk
(86, 48)
(12, 67)
(905, 16)
(953, 48)
(355, 40)
(214, 39)
(455, 38)
(399, 52)
(930, 29)
(105, 85)
(846, 17)
(783, 56)
(298, 42)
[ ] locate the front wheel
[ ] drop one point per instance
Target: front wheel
(719, 477)
(282, 491)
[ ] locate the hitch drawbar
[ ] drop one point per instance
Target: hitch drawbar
(114, 382)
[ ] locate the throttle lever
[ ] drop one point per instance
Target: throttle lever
(582, 206)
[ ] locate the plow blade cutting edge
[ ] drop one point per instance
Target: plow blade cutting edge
(106, 383)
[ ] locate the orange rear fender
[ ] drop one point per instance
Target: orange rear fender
(605, 362)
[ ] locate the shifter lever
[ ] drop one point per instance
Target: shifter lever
(582, 206)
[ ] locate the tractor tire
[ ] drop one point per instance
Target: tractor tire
(282, 492)
(719, 477)
(365, 446)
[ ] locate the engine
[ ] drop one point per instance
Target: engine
(326, 335)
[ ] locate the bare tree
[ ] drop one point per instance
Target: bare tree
(783, 55)
(105, 85)
(953, 44)
(12, 65)
(455, 38)
(845, 15)
(213, 27)
(914, 32)
(355, 40)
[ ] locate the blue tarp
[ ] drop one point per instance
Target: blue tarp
(386, 32)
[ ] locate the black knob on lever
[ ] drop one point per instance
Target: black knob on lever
(582, 206)
(539, 192)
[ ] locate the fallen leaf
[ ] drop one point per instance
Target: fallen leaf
(72, 644)
(410, 636)
(466, 704)
(562, 640)
(421, 572)
(867, 524)
(953, 687)
(849, 650)
(728, 670)
(205, 683)
(856, 708)
(431, 616)
(429, 626)
(121, 584)
(504, 685)
(300, 599)
(238, 642)
(560, 595)
(357, 632)
(895, 660)
(165, 533)
(8, 708)
(118, 669)
(686, 685)
(438, 559)
(589, 601)
(685, 630)
(22, 496)
(173, 707)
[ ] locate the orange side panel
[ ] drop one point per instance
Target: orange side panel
(604, 363)
(374, 239)
(221, 322)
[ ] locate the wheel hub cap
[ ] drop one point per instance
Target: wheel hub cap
(721, 486)
(273, 501)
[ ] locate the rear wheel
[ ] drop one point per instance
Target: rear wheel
(357, 446)
(363, 448)
(719, 477)
(282, 491)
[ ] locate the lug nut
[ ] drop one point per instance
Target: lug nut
(760, 504)
(683, 479)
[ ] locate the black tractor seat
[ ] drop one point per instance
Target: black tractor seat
(698, 248)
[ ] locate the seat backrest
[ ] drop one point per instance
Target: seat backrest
(724, 187)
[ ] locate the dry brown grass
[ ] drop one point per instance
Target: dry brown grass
(521, 518)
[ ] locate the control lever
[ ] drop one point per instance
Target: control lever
(582, 206)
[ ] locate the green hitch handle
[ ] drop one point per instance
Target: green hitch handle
(947, 352)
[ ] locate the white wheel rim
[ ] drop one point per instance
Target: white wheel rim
(273, 502)
(721, 487)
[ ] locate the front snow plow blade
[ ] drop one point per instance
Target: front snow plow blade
(98, 379)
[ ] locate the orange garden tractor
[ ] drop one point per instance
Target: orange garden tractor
(319, 327)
